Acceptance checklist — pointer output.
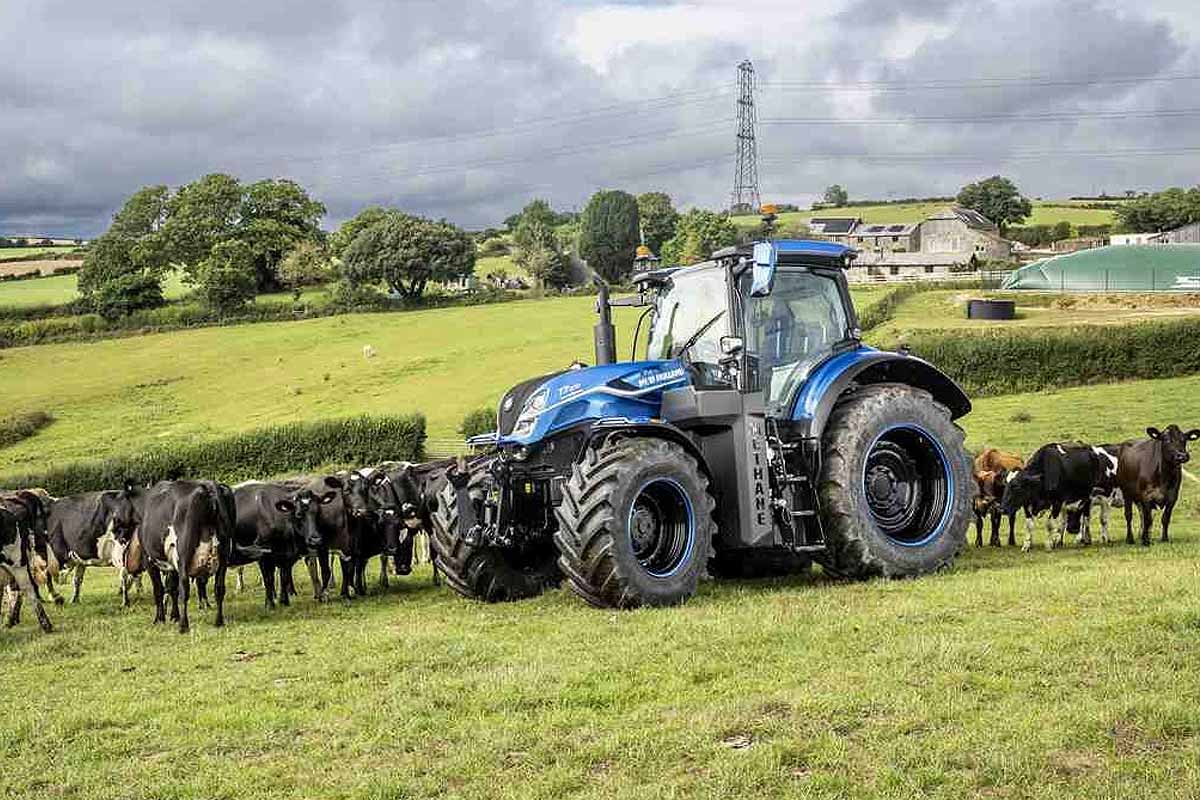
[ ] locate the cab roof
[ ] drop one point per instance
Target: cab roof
(799, 251)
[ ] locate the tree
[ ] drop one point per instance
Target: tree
(199, 215)
(275, 216)
(697, 235)
(608, 236)
(122, 271)
(112, 282)
(408, 252)
(998, 199)
(1161, 211)
(658, 218)
(536, 250)
(226, 279)
(835, 195)
(306, 264)
(1061, 230)
(364, 219)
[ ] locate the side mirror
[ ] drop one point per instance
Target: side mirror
(732, 346)
(764, 270)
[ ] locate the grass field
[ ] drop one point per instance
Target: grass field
(56, 290)
(945, 309)
(1042, 675)
(9, 253)
(120, 395)
(1044, 213)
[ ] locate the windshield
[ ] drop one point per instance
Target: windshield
(792, 330)
(693, 301)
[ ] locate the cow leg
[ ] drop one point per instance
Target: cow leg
(978, 529)
(156, 583)
(173, 582)
(1105, 507)
(79, 569)
(1166, 521)
(219, 593)
(239, 581)
(994, 539)
(183, 592)
(347, 576)
(1147, 523)
(383, 576)
(27, 587)
(403, 562)
(1012, 522)
(287, 587)
(202, 592)
(12, 600)
(1028, 533)
(360, 576)
(1050, 535)
(1128, 522)
(266, 567)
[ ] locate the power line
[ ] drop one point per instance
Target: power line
(990, 157)
(972, 83)
(1056, 116)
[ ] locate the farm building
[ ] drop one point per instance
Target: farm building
(1188, 234)
(1128, 268)
(952, 240)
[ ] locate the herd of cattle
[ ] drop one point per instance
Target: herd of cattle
(185, 531)
(1067, 478)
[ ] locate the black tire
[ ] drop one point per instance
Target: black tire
(488, 574)
(610, 560)
(896, 486)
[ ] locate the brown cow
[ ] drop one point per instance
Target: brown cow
(1149, 472)
(992, 470)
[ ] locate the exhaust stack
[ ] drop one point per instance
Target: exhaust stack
(604, 334)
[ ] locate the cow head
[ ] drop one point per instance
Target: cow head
(1021, 488)
(314, 501)
(121, 512)
(399, 510)
(359, 488)
(1173, 442)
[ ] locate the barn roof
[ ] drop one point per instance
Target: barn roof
(833, 224)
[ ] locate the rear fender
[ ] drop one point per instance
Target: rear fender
(816, 400)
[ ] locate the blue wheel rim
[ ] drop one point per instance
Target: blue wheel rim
(661, 527)
(908, 484)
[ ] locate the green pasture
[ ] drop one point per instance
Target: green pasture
(1044, 213)
(56, 290)
(119, 395)
(10, 253)
(945, 309)
(1066, 674)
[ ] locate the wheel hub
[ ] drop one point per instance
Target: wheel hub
(660, 527)
(905, 483)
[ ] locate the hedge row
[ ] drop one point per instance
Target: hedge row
(1012, 361)
(21, 426)
(284, 449)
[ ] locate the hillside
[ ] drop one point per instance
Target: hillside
(1044, 213)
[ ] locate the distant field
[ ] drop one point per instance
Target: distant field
(9, 253)
(1044, 213)
(55, 290)
(944, 309)
(489, 264)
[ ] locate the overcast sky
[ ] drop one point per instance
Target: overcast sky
(469, 109)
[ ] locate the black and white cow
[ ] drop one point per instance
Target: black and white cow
(1058, 476)
(92, 530)
(1105, 495)
(187, 532)
(327, 527)
(269, 516)
(29, 507)
(16, 562)
(1149, 473)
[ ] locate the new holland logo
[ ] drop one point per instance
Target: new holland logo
(646, 379)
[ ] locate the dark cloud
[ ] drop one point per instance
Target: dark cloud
(468, 110)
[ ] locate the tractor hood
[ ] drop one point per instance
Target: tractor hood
(632, 390)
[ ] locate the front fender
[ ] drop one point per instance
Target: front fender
(816, 399)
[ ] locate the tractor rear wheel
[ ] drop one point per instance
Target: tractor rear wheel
(896, 487)
(635, 524)
(482, 572)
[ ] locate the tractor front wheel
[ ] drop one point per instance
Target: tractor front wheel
(482, 572)
(635, 524)
(896, 486)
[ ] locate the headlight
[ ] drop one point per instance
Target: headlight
(535, 404)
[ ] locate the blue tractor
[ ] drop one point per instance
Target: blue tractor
(758, 432)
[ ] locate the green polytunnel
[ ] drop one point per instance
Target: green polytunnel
(1120, 268)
